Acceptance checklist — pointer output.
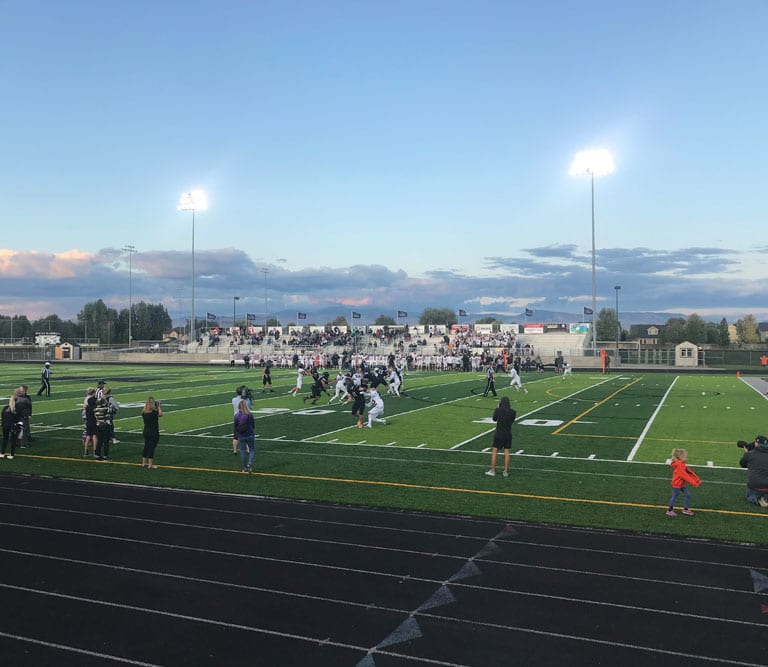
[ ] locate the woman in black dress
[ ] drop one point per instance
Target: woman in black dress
(504, 416)
(151, 415)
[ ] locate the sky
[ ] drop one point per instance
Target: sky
(383, 156)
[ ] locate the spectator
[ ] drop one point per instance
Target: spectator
(755, 460)
(151, 415)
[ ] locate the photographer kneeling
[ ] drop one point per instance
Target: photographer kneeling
(755, 460)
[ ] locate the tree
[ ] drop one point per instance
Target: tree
(746, 328)
(384, 321)
(607, 326)
(15, 327)
(444, 316)
(150, 321)
(94, 318)
(340, 321)
(723, 336)
(674, 331)
(273, 322)
(696, 329)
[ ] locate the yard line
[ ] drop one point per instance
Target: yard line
(596, 405)
(532, 412)
(651, 420)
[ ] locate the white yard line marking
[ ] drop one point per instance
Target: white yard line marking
(647, 428)
(528, 414)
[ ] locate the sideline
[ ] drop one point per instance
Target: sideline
(405, 485)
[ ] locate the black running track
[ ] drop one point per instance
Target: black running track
(97, 574)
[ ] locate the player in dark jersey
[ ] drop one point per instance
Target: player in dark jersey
(266, 377)
(358, 401)
(490, 375)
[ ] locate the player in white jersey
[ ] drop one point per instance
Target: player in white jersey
(394, 383)
(341, 389)
(515, 381)
(375, 408)
(567, 370)
(299, 380)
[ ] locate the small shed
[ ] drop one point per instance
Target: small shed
(686, 355)
(66, 352)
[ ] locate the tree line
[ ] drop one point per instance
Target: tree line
(693, 329)
(95, 321)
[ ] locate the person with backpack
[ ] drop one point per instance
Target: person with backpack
(244, 429)
(12, 426)
(24, 414)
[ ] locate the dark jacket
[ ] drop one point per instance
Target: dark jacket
(23, 407)
(244, 425)
(756, 462)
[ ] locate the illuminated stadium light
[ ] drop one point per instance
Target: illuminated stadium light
(593, 162)
(196, 200)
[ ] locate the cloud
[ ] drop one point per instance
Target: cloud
(554, 277)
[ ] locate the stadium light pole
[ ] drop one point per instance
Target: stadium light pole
(265, 272)
(195, 200)
(131, 250)
(235, 299)
(618, 326)
(593, 162)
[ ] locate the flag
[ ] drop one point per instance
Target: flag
(211, 317)
(301, 316)
(588, 311)
(528, 312)
(462, 313)
(250, 317)
(356, 316)
(402, 313)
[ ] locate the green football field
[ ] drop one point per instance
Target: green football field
(588, 449)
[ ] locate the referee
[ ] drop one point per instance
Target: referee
(45, 380)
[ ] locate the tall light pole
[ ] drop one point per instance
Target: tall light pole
(265, 272)
(195, 200)
(594, 162)
(618, 325)
(235, 299)
(131, 250)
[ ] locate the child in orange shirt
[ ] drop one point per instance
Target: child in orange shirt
(681, 474)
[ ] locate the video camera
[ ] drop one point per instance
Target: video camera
(244, 392)
(749, 446)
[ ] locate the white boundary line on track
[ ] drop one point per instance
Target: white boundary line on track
(453, 619)
(649, 423)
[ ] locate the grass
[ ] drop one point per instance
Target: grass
(590, 450)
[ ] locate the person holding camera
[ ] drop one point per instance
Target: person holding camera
(151, 415)
(755, 460)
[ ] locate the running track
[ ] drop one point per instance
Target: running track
(98, 574)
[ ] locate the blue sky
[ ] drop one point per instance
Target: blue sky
(376, 156)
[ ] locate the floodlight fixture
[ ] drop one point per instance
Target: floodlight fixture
(194, 200)
(593, 162)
